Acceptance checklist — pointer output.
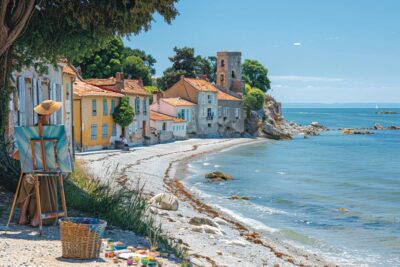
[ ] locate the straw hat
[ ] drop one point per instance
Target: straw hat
(47, 107)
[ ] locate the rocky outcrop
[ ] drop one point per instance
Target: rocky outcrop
(354, 131)
(393, 127)
(165, 201)
(202, 221)
(386, 112)
(236, 197)
(377, 126)
(269, 123)
(219, 176)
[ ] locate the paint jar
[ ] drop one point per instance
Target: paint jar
(115, 260)
(129, 262)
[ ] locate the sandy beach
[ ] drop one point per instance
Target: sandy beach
(160, 168)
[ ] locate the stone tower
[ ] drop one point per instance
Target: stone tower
(229, 72)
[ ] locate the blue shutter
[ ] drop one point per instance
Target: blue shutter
(93, 132)
(22, 102)
(39, 91)
(94, 111)
(112, 106)
(114, 130)
(105, 130)
(105, 107)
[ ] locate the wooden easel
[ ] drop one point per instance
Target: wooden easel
(42, 173)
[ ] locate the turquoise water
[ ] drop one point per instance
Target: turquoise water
(335, 194)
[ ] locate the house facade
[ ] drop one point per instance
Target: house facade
(94, 127)
(176, 107)
(138, 131)
(33, 87)
(204, 95)
(167, 127)
(230, 114)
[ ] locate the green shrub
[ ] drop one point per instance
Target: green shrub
(254, 99)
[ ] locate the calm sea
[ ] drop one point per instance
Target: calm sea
(335, 194)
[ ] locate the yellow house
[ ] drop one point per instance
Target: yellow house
(94, 127)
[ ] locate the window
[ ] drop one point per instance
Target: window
(225, 111)
(137, 105)
(182, 114)
(219, 111)
(209, 125)
(94, 111)
(209, 97)
(237, 111)
(222, 63)
(187, 114)
(222, 77)
(105, 130)
(112, 106)
(144, 105)
(164, 126)
(114, 130)
(233, 74)
(105, 107)
(93, 131)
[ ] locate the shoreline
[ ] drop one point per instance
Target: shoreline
(239, 245)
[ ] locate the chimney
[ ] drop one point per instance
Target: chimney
(157, 96)
(79, 70)
(140, 81)
(204, 77)
(119, 76)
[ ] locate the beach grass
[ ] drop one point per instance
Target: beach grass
(126, 209)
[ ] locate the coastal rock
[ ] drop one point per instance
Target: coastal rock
(352, 131)
(377, 126)
(207, 229)
(270, 131)
(218, 176)
(236, 197)
(252, 123)
(165, 201)
(202, 221)
(386, 112)
(196, 262)
(220, 221)
(315, 124)
(239, 243)
(393, 127)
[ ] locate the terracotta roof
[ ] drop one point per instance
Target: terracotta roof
(134, 87)
(225, 96)
(156, 116)
(128, 86)
(177, 102)
(201, 85)
(102, 82)
(69, 70)
(82, 88)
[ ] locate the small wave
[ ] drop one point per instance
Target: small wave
(256, 170)
(281, 173)
(248, 221)
(217, 166)
(199, 193)
(206, 163)
(268, 210)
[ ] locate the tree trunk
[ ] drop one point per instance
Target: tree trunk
(9, 168)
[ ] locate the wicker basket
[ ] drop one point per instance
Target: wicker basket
(81, 237)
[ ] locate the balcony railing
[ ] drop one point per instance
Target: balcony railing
(210, 118)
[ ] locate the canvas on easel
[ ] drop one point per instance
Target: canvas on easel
(23, 136)
(43, 152)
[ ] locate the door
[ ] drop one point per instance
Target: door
(144, 129)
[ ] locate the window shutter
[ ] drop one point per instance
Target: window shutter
(35, 98)
(22, 102)
(62, 101)
(39, 91)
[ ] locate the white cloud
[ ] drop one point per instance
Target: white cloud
(297, 44)
(297, 78)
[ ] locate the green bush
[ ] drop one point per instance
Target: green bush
(254, 99)
(123, 113)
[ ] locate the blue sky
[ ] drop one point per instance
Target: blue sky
(316, 50)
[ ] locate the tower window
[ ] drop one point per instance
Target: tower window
(222, 63)
(233, 74)
(222, 77)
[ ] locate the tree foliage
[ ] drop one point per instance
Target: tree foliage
(184, 62)
(123, 113)
(115, 57)
(256, 75)
(254, 99)
(34, 32)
